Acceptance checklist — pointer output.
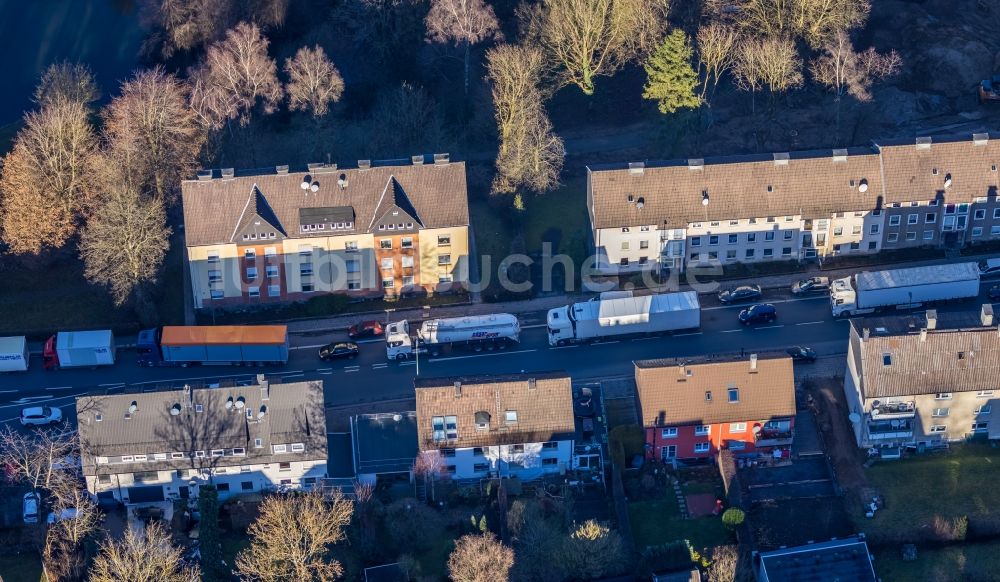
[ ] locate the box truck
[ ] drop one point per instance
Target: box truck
(614, 314)
(869, 291)
(225, 345)
(13, 354)
(79, 349)
(477, 332)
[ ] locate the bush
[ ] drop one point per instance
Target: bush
(413, 527)
(666, 557)
(733, 518)
(626, 441)
(326, 305)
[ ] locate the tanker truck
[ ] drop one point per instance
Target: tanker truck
(476, 332)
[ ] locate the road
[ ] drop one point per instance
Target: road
(370, 377)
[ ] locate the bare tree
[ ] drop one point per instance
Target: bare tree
(48, 178)
(384, 28)
(717, 53)
(124, 244)
(480, 558)
(40, 458)
(313, 81)
(142, 557)
(292, 537)
(86, 518)
(153, 136)
(429, 466)
(240, 70)
(67, 81)
(514, 72)
(584, 39)
(533, 159)
(723, 567)
(464, 22)
(406, 119)
(593, 551)
(814, 21)
(185, 25)
(767, 62)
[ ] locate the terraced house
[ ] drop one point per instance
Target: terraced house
(794, 206)
(275, 236)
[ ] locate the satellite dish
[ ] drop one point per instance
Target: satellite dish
(175, 410)
(241, 402)
(133, 407)
(304, 185)
(262, 412)
(756, 429)
(314, 187)
(342, 181)
(947, 181)
(229, 403)
(876, 404)
(397, 417)
(704, 200)
(863, 186)
(854, 417)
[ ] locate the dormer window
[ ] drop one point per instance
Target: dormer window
(482, 420)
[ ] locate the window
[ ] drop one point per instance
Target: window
(708, 395)
(253, 291)
(751, 237)
(246, 486)
(980, 426)
(549, 462)
(518, 449)
(769, 235)
(222, 487)
(273, 290)
(406, 242)
(444, 427)
(258, 443)
(448, 453)
(873, 229)
(930, 218)
(939, 428)
(250, 255)
(977, 231)
(477, 451)
(912, 218)
(221, 452)
(786, 251)
(284, 466)
(871, 245)
(894, 220)
(702, 447)
(127, 458)
(624, 261)
(388, 283)
(940, 412)
(624, 245)
(995, 230)
(298, 447)
(176, 455)
(856, 229)
(445, 239)
(669, 432)
(140, 458)
(481, 467)
(942, 396)
(713, 240)
(643, 244)
(668, 452)
(251, 273)
(213, 256)
(217, 293)
(214, 276)
(984, 394)
(736, 445)
(734, 222)
(307, 287)
(733, 239)
(306, 269)
(979, 214)
(911, 236)
(272, 271)
(696, 241)
(788, 235)
(510, 416)
(928, 235)
(644, 260)
(886, 359)
(892, 237)
(104, 479)
(385, 244)
(737, 427)
(387, 263)
(984, 409)
(713, 255)
(550, 446)
(444, 259)
(839, 230)
(702, 430)
(407, 280)
(643, 229)
(876, 213)
(734, 394)
(350, 245)
(768, 252)
(749, 253)
(730, 255)
(279, 448)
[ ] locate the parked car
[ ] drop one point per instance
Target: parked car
(29, 507)
(366, 329)
(40, 416)
(760, 313)
(811, 285)
(338, 351)
(802, 354)
(740, 294)
(994, 293)
(989, 268)
(67, 513)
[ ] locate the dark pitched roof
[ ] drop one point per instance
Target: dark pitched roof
(435, 195)
(673, 391)
(836, 560)
(257, 217)
(394, 198)
(543, 403)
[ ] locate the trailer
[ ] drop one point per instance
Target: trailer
(79, 349)
(222, 345)
(869, 291)
(476, 332)
(13, 354)
(617, 315)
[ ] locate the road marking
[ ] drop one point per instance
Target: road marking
(324, 369)
(811, 323)
(307, 347)
(564, 347)
(379, 366)
(370, 341)
(770, 327)
(642, 339)
(326, 373)
(408, 363)
(500, 353)
(67, 387)
(354, 370)
(748, 303)
(354, 367)
(533, 326)
(287, 376)
(687, 334)
(606, 343)
(731, 331)
(9, 391)
(101, 385)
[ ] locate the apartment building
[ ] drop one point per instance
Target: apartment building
(692, 409)
(794, 206)
(275, 236)
(498, 426)
(922, 379)
(152, 447)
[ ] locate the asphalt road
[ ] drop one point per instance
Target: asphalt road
(370, 377)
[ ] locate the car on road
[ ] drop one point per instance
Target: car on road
(365, 329)
(811, 285)
(802, 354)
(994, 293)
(29, 507)
(740, 294)
(338, 351)
(989, 268)
(40, 416)
(760, 313)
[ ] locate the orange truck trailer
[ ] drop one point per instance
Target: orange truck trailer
(222, 345)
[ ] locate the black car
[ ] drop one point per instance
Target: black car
(811, 285)
(760, 313)
(740, 294)
(801, 354)
(337, 351)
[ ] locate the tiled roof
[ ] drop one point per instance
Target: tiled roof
(813, 184)
(294, 413)
(901, 361)
(543, 403)
(673, 391)
(215, 209)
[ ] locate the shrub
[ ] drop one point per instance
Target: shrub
(733, 518)
(626, 441)
(666, 557)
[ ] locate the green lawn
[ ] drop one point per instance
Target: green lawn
(961, 482)
(23, 568)
(232, 544)
(658, 522)
(966, 562)
(560, 218)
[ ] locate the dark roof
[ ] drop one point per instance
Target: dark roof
(340, 457)
(543, 403)
(257, 217)
(897, 359)
(294, 413)
(323, 215)
(384, 443)
(844, 560)
(673, 391)
(215, 209)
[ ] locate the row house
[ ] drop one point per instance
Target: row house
(380, 229)
(922, 379)
(519, 425)
(794, 206)
(153, 447)
(692, 409)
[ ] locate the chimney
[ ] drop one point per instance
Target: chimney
(313, 166)
(364, 164)
(932, 319)
(458, 389)
(188, 399)
(781, 159)
(281, 170)
(839, 155)
(204, 175)
(753, 363)
(417, 160)
(228, 173)
(865, 333)
(986, 315)
(532, 384)
(441, 159)
(980, 139)
(696, 164)
(265, 387)
(923, 143)
(923, 334)
(636, 168)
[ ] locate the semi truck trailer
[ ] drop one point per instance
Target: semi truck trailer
(223, 345)
(13, 354)
(477, 332)
(79, 349)
(869, 291)
(614, 314)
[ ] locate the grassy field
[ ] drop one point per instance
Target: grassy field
(967, 562)
(944, 486)
(23, 568)
(659, 521)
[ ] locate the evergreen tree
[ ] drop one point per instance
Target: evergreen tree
(672, 80)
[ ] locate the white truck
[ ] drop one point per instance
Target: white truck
(13, 354)
(478, 332)
(869, 291)
(615, 313)
(79, 349)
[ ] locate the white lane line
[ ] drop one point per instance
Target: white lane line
(642, 339)
(324, 369)
(731, 331)
(350, 371)
(379, 366)
(355, 367)
(326, 373)
(533, 326)
(764, 300)
(564, 347)
(606, 343)
(307, 347)
(811, 323)
(500, 353)
(101, 385)
(687, 334)
(407, 363)
(371, 341)
(770, 327)
(8, 391)
(70, 387)
(287, 376)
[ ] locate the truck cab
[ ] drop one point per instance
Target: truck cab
(148, 347)
(50, 358)
(560, 326)
(843, 297)
(398, 343)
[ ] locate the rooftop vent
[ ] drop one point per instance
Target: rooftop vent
(417, 160)
(932, 318)
(923, 143)
(986, 315)
(923, 334)
(753, 363)
(840, 155)
(458, 389)
(781, 159)
(696, 164)
(281, 169)
(980, 139)
(364, 164)
(441, 159)
(313, 166)
(204, 175)
(636, 168)
(228, 173)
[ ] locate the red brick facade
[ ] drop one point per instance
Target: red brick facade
(659, 440)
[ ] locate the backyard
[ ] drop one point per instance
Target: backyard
(969, 562)
(655, 515)
(20, 568)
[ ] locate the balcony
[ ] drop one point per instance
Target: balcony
(890, 429)
(773, 438)
(893, 410)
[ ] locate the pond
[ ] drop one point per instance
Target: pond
(103, 34)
